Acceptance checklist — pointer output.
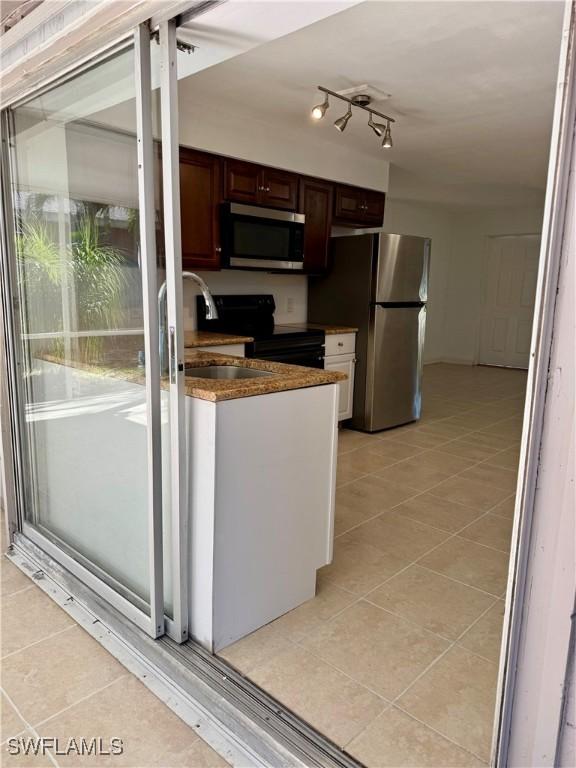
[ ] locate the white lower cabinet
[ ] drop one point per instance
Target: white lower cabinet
(345, 363)
(261, 500)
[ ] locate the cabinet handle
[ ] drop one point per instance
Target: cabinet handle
(267, 189)
(218, 249)
(340, 343)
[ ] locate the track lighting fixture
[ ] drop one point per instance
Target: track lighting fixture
(378, 128)
(342, 122)
(387, 141)
(319, 110)
(360, 101)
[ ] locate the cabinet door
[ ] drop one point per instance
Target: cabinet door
(279, 189)
(199, 206)
(374, 208)
(349, 205)
(242, 182)
(316, 203)
(344, 364)
(358, 207)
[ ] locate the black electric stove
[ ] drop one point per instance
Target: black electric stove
(253, 315)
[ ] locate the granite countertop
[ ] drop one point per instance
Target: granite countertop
(328, 329)
(211, 339)
(126, 368)
(284, 377)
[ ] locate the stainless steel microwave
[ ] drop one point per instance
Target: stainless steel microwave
(261, 238)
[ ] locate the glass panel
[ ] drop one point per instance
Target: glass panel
(81, 322)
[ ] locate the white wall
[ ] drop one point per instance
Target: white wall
(466, 273)
(207, 124)
(457, 271)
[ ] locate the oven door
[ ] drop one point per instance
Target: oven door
(262, 238)
(311, 357)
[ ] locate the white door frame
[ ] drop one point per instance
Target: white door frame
(178, 626)
(523, 687)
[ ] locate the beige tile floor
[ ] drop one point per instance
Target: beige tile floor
(59, 682)
(396, 658)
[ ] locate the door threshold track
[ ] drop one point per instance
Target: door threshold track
(246, 726)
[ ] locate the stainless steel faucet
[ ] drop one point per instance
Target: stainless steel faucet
(211, 314)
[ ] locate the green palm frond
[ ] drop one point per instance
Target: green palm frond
(37, 253)
(98, 274)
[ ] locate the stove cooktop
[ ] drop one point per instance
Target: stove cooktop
(285, 331)
(252, 315)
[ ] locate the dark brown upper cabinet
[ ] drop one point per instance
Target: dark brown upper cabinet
(200, 198)
(279, 189)
(257, 185)
(206, 180)
(241, 181)
(316, 203)
(357, 207)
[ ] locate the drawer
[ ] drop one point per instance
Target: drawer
(237, 350)
(340, 344)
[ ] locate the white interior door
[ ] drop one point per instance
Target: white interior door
(506, 329)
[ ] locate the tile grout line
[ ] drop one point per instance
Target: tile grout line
(37, 642)
(417, 560)
(456, 641)
(480, 513)
(452, 643)
(420, 451)
(365, 596)
(439, 733)
(29, 727)
(18, 591)
(81, 700)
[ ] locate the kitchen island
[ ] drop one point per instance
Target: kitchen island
(262, 459)
(261, 454)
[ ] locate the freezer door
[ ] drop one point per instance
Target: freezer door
(394, 370)
(401, 269)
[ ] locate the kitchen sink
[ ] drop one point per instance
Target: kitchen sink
(225, 372)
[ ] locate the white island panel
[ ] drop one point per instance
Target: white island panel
(267, 478)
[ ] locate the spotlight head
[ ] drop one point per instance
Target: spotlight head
(387, 141)
(378, 128)
(319, 110)
(342, 122)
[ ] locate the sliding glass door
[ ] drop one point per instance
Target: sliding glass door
(83, 278)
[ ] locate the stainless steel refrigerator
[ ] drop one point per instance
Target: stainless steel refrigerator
(379, 283)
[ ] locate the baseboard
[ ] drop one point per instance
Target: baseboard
(450, 361)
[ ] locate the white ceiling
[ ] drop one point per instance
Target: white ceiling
(472, 87)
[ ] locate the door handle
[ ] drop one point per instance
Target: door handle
(172, 355)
